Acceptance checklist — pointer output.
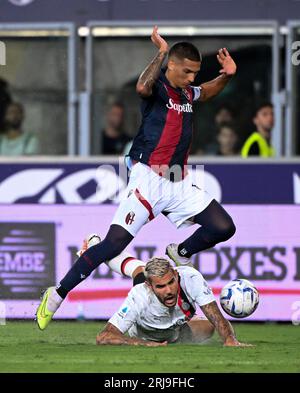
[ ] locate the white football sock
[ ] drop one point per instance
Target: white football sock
(54, 300)
(125, 264)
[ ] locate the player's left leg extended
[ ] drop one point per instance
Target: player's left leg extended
(123, 264)
(216, 226)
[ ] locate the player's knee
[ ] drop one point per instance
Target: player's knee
(225, 230)
(230, 229)
(207, 331)
(116, 240)
(210, 330)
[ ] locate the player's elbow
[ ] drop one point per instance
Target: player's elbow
(206, 95)
(142, 90)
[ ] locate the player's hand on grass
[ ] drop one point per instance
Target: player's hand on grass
(158, 41)
(227, 62)
(238, 344)
(155, 344)
(233, 342)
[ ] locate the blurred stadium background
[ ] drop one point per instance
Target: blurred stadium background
(68, 63)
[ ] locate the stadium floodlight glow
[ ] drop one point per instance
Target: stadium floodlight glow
(213, 30)
(34, 33)
(283, 30)
(83, 31)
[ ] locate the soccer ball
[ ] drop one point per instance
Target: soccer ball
(239, 298)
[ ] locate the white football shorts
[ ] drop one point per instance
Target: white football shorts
(149, 194)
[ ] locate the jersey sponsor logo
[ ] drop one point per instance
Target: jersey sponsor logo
(179, 107)
(130, 218)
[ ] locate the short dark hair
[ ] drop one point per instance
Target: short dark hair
(185, 50)
(262, 104)
(228, 124)
(226, 107)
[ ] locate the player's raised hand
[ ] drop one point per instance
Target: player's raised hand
(227, 62)
(158, 41)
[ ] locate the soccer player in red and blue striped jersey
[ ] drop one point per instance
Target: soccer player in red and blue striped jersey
(159, 181)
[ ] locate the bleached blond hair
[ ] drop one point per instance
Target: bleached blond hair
(157, 267)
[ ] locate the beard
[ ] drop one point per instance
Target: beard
(169, 301)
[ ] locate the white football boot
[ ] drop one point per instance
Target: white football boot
(172, 252)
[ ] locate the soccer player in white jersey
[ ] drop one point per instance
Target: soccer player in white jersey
(161, 310)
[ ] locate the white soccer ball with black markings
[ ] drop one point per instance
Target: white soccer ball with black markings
(239, 298)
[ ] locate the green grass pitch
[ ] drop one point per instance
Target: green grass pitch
(70, 347)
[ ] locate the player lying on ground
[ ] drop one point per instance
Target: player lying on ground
(159, 180)
(161, 309)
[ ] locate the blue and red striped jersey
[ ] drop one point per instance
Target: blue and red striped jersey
(165, 135)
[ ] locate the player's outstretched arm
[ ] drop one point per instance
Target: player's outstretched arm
(150, 74)
(112, 336)
(223, 327)
(214, 87)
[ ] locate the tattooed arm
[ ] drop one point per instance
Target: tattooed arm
(223, 327)
(112, 336)
(150, 74)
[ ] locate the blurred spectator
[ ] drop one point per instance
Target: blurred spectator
(224, 114)
(114, 138)
(258, 143)
(227, 141)
(15, 142)
(5, 100)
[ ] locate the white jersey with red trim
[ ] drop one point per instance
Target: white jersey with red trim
(143, 315)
